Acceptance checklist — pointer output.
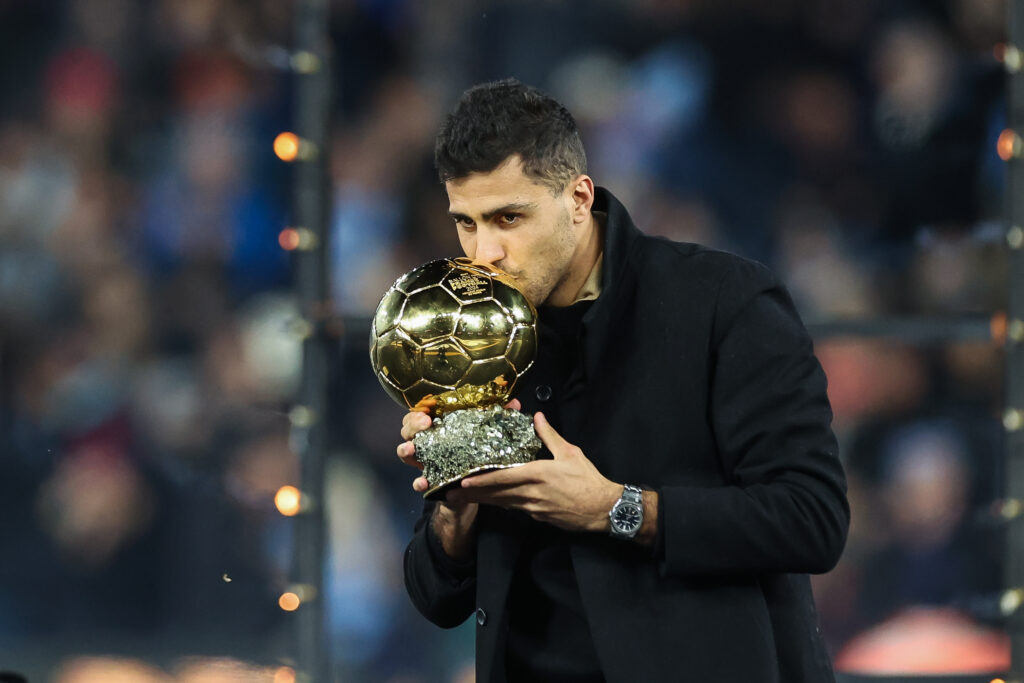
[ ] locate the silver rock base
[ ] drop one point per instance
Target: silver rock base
(474, 440)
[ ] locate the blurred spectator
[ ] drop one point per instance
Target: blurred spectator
(81, 97)
(109, 670)
(373, 165)
(223, 670)
(932, 555)
(186, 670)
(922, 641)
(204, 210)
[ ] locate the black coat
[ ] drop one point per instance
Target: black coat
(698, 381)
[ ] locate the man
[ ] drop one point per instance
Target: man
(692, 480)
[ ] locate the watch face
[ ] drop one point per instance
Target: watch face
(627, 517)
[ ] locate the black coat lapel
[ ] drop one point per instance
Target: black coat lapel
(621, 241)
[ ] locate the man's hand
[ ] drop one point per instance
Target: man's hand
(412, 424)
(453, 521)
(567, 491)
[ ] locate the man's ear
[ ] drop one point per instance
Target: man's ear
(582, 198)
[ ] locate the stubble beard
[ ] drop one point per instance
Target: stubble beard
(556, 268)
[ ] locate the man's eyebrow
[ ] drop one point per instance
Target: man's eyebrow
(508, 208)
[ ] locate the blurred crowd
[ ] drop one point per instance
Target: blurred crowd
(148, 358)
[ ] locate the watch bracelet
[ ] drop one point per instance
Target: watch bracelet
(632, 494)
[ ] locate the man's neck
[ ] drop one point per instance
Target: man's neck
(587, 252)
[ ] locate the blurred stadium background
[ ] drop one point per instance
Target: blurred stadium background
(148, 356)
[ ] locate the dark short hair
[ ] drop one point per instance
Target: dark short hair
(494, 121)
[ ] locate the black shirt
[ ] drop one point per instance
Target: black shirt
(549, 638)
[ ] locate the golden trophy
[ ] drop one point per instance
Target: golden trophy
(452, 338)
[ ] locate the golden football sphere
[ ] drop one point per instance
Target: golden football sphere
(454, 332)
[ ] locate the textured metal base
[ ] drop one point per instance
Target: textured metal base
(474, 440)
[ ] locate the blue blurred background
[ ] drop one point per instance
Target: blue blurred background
(147, 364)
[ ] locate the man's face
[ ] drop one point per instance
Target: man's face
(513, 222)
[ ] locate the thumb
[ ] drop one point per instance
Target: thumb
(558, 446)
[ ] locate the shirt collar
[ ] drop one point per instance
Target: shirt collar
(591, 288)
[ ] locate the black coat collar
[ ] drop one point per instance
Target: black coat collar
(621, 241)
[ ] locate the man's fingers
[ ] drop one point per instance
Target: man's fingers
(552, 439)
(514, 404)
(407, 453)
(514, 496)
(414, 423)
(510, 476)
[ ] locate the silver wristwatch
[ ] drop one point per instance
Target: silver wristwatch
(627, 515)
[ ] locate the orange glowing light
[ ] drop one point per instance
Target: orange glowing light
(997, 327)
(288, 501)
(284, 674)
(994, 680)
(286, 146)
(1008, 145)
(289, 601)
(289, 239)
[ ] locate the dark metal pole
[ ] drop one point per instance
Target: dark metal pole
(1013, 416)
(310, 62)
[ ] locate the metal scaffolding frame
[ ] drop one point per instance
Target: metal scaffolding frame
(310, 63)
(1013, 416)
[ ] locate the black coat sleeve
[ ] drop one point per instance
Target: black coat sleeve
(441, 588)
(784, 508)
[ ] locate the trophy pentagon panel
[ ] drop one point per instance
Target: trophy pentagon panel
(430, 313)
(398, 356)
(469, 284)
(483, 371)
(484, 328)
(388, 311)
(426, 275)
(420, 390)
(518, 306)
(522, 348)
(444, 362)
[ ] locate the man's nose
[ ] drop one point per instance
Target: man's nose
(488, 247)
